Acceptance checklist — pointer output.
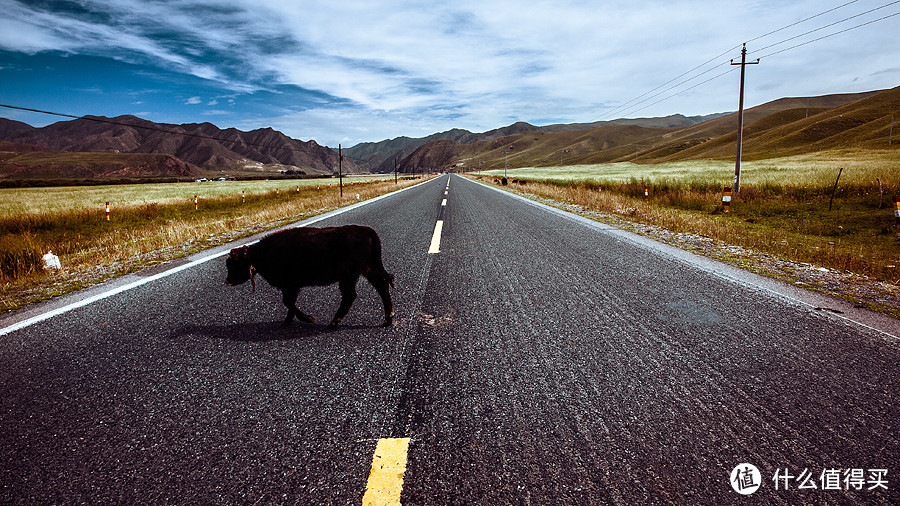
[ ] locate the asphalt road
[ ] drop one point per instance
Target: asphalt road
(536, 358)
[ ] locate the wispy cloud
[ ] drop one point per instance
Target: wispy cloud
(475, 64)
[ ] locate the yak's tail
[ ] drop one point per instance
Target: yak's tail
(376, 263)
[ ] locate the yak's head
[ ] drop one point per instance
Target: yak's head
(239, 267)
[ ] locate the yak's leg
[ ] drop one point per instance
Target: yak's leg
(348, 295)
(289, 297)
(382, 283)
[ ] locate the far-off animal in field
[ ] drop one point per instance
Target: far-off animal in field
(309, 256)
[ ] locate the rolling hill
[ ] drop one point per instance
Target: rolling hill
(55, 165)
(381, 156)
(792, 125)
(779, 128)
(202, 145)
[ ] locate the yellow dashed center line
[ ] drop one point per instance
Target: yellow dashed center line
(388, 468)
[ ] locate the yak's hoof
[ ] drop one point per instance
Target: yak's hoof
(387, 322)
(333, 324)
(307, 318)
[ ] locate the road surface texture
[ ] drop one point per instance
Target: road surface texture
(535, 358)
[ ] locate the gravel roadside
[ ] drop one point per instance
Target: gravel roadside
(865, 292)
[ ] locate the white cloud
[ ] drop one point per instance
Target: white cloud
(400, 68)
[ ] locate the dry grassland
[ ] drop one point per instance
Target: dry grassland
(782, 210)
(145, 230)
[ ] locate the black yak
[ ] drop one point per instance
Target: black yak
(309, 256)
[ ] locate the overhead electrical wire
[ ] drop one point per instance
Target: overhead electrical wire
(629, 106)
(669, 81)
(830, 25)
(801, 21)
(831, 34)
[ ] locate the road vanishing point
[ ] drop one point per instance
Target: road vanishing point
(536, 357)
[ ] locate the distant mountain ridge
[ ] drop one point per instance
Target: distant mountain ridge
(201, 144)
(788, 126)
(862, 118)
(381, 156)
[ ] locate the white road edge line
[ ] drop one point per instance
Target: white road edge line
(124, 288)
(715, 267)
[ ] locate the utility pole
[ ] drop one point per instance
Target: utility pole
(740, 130)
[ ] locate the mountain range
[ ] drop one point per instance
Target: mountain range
(382, 156)
(95, 146)
(203, 148)
(782, 127)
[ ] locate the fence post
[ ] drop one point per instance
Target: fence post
(835, 188)
(726, 198)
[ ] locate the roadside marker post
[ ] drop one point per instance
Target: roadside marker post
(897, 213)
(243, 197)
(726, 198)
(196, 204)
(646, 192)
(107, 211)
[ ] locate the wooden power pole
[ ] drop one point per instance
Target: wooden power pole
(740, 130)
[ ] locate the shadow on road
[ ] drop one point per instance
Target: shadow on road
(262, 332)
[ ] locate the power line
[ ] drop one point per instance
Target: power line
(832, 24)
(801, 21)
(730, 70)
(831, 35)
(630, 110)
(610, 113)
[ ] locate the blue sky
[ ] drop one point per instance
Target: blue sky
(353, 71)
